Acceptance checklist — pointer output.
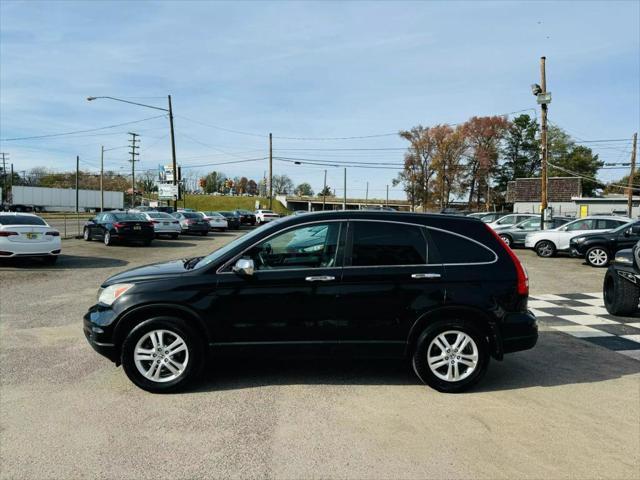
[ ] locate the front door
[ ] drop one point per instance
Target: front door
(387, 283)
(290, 300)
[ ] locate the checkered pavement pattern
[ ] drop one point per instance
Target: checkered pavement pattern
(583, 315)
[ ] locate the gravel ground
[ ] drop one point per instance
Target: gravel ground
(566, 409)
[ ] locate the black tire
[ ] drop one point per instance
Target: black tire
(420, 356)
(175, 326)
(204, 234)
(107, 239)
(545, 249)
(598, 257)
(174, 236)
(50, 260)
(86, 234)
(508, 240)
(621, 297)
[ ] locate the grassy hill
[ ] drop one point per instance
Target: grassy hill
(215, 203)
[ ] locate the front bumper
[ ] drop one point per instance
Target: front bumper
(519, 331)
(96, 324)
(575, 252)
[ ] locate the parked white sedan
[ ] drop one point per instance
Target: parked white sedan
(163, 223)
(547, 243)
(27, 235)
(264, 216)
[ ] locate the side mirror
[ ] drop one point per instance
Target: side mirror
(244, 267)
(635, 230)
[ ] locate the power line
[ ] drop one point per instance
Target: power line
(593, 179)
(80, 131)
(224, 163)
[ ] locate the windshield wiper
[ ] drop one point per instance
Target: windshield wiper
(190, 263)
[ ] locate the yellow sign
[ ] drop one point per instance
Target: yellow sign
(584, 211)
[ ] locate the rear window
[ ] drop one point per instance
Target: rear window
(381, 243)
(129, 217)
(20, 220)
(191, 215)
(159, 215)
(456, 249)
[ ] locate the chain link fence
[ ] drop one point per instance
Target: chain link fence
(70, 225)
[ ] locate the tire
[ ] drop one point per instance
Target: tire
(476, 347)
(545, 249)
(50, 260)
(621, 297)
(86, 235)
(186, 364)
(107, 239)
(597, 257)
(508, 240)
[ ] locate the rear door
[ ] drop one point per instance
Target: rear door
(386, 284)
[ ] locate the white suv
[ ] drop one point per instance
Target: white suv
(547, 243)
(263, 216)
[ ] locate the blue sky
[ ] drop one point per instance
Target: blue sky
(305, 69)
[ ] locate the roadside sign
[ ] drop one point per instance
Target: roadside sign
(167, 191)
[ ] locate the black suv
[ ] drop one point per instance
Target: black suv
(621, 287)
(599, 248)
(442, 291)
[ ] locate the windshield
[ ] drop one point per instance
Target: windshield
(21, 220)
(129, 217)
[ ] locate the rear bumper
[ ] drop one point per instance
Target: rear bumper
(10, 249)
(519, 331)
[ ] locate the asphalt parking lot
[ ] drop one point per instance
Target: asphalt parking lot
(566, 409)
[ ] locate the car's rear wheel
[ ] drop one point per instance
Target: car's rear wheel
(146, 243)
(597, 257)
(621, 297)
(161, 355)
(451, 356)
(506, 239)
(545, 249)
(86, 235)
(107, 239)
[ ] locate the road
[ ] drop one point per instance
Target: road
(566, 409)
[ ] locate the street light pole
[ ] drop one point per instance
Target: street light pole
(173, 152)
(102, 178)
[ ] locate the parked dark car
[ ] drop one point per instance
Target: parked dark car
(621, 289)
(164, 209)
(119, 227)
(599, 248)
(233, 219)
(514, 235)
(441, 291)
(246, 217)
(192, 222)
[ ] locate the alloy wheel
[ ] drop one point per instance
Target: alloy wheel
(161, 356)
(506, 239)
(545, 249)
(598, 257)
(452, 356)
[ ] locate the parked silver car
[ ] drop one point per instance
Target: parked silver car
(514, 235)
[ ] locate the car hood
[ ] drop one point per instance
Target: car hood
(146, 272)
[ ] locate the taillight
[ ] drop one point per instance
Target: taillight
(175, 221)
(53, 233)
(119, 225)
(521, 273)
(191, 221)
(7, 234)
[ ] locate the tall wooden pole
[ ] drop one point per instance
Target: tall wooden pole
(344, 201)
(102, 178)
(270, 171)
(631, 174)
(543, 141)
(77, 183)
(173, 152)
(324, 190)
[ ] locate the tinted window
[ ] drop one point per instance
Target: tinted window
(129, 217)
(581, 225)
(191, 215)
(381, 243)
(20, 220)
(456, 249)
(508, 220)
(310, 246)
(558, 222)
(159, 215)
(605, 224)
(533, 222)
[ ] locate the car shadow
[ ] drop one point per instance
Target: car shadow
(64, 261)
(164, 243)
(557, 360)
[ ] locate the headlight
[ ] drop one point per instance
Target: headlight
(579, 239)
(625, 260)
(110, 294)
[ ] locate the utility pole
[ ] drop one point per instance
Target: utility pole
(77, 183)
(102, 178)
(631, 174)
(270, 171)
(387, 202)
(344, 201)
(543, 140)
(366, 197)
(4, 177)
(173, 151)
(324, 190)
(134, 145)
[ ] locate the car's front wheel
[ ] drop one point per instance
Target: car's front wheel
(451, 356)
(161, 355)
(107, 239)
(506, 239)
(621, 297)
(86, 235)
(597, 257)
(545, 249)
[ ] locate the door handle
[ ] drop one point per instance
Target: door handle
(320, 278)
(425, 275)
